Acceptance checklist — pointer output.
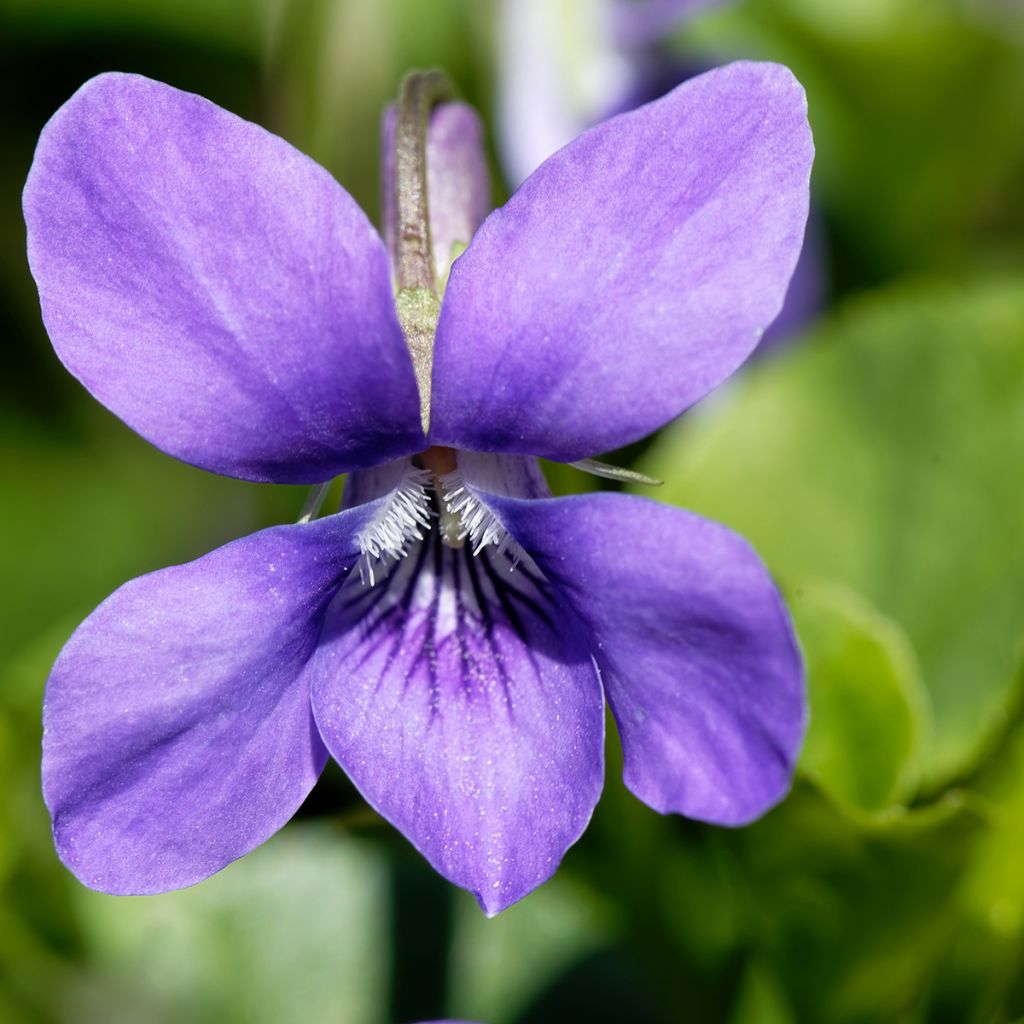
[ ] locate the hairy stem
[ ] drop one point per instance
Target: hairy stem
(418, 300)
(420, 93)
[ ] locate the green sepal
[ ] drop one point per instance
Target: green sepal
(418, 311)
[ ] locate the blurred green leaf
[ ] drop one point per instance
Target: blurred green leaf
(9, 766)
(83, 513)
(994, 891)
(916, 107)
(37, 929)
(238, 23)
(869, 714)
(819, 912)
(499, 965)
(336, 65)
(293, 932)
(882, 454)
(848, 913)
(983, 976)
(760, 1000)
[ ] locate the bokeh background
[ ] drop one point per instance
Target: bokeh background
(873, 452)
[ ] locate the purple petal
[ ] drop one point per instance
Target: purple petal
(458, 180)
(215, 288)
(458, 183)
(696, 651)
(177, 726)
(634, 271)
(465, 706)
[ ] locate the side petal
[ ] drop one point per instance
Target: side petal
(699, 661)
(177, 726)
(630, 274)
(466, 708)
(215, 288)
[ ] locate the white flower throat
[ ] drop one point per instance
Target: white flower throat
(430, 495)
(437, 490)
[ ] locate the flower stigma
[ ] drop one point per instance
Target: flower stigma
(444, 471)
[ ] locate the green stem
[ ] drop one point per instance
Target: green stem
(418, 300)
(420, 93)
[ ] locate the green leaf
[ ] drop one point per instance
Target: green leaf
(909, 173)
(37, 928)
(295, 931)
(499, 965)
(995, 889)
(981, 977)
(885, 455)
(760, 1000)
(239, 24)
(336, 64)
(869, 714)
(82, 514)
(847, 912)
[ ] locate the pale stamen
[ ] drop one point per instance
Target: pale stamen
(477, 523)
(403, 519)
(432, 488)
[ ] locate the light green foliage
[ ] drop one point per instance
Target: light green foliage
(293, 932)
(869, 714)
(985, 960)
(37, 930)
(817, 912)
(85, 512)
(338, 63)
(760, 1001)
(853, 915)
(880, 455)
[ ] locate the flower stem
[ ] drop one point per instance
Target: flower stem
(418, 300)
(421, 91)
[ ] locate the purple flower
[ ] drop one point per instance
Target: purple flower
(451, 635)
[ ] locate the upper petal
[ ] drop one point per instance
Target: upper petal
(630, 274)
(177, 726)
(464, 705)
(697, 654)
(215, 288)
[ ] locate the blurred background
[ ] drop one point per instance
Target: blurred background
(873, 452)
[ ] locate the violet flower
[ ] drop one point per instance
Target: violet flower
(451, 635)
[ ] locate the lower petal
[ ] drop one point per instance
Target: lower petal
(177, 726)
(698, 658)
(465, 706)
